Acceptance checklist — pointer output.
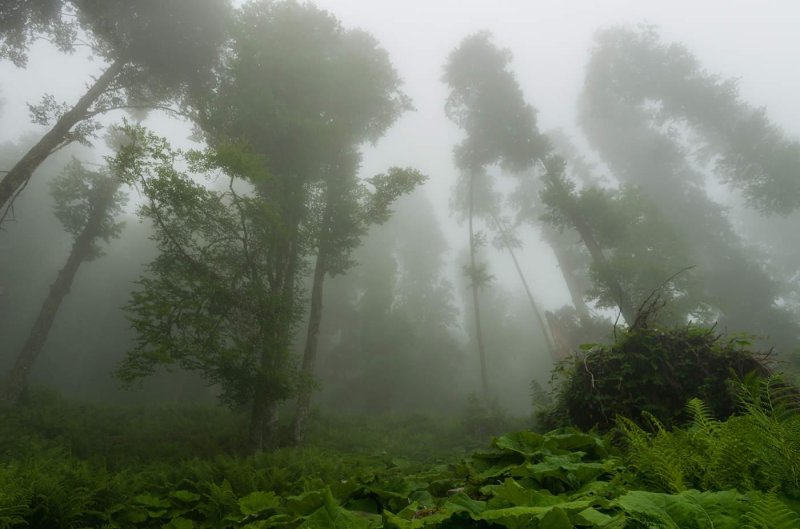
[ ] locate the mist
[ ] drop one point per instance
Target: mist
(398, 231)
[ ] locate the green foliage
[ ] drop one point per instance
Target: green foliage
(665, 84)
(651, 371)
(754, 450)
(771, 513)
(524, 480)
(22, 22)
(638, 91)
(486, 101)
(482, 419)
(215, 299)
(78, 192)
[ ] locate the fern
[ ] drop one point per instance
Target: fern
(658, 457)
(703, 426)
(771, 513)
(771, 408)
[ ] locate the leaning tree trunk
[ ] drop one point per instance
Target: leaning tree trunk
(576, 293)
(624, 303)
(568, 206)
(475, 287)
(16, 178)
(81, 250)
(310, 352)
(548, 337)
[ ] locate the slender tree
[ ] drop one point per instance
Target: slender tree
(86, 204)
(347, 213)
(486, 102)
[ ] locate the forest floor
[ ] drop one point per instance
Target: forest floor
(78, 465)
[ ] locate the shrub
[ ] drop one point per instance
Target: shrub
(654, 371)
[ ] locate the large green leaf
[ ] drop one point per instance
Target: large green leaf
(567, 469)
(592, 445)
(414, 516)
(333, 516)
(510, 494)
(258, 502)
(463, 503)
(688, 510)
(556, 519)
(525, 443)
(305, 503)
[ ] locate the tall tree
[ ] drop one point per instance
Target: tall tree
(214, 300)
(347, 212)
(86, 204)
(638, 93)
(306, 93)
(486, 102)
(154, 51)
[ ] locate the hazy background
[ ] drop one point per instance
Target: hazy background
(755, 41)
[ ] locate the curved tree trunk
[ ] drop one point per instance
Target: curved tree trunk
(81, 249)
(19, 175)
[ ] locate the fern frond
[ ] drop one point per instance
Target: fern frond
(771, 513)
(703, 426)
(772, 396)
(636, 438)
(733, 460)
(656, 424)
(656, 457)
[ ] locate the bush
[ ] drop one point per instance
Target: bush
(650, 370)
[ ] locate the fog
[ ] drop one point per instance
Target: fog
(397, 332)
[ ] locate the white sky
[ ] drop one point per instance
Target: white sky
(755, 41)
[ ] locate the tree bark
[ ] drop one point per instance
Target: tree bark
(310, 352)
(17, 378)
(55, 137)
(475, 287)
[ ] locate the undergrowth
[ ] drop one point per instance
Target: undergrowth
(741, 472)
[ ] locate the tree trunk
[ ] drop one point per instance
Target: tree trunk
(16, 178)
(568, 206)
(263, 422)
(475, 287)
(310, 352)
(623, 302)
(548, 337)
(576, 293)
(81, 248)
